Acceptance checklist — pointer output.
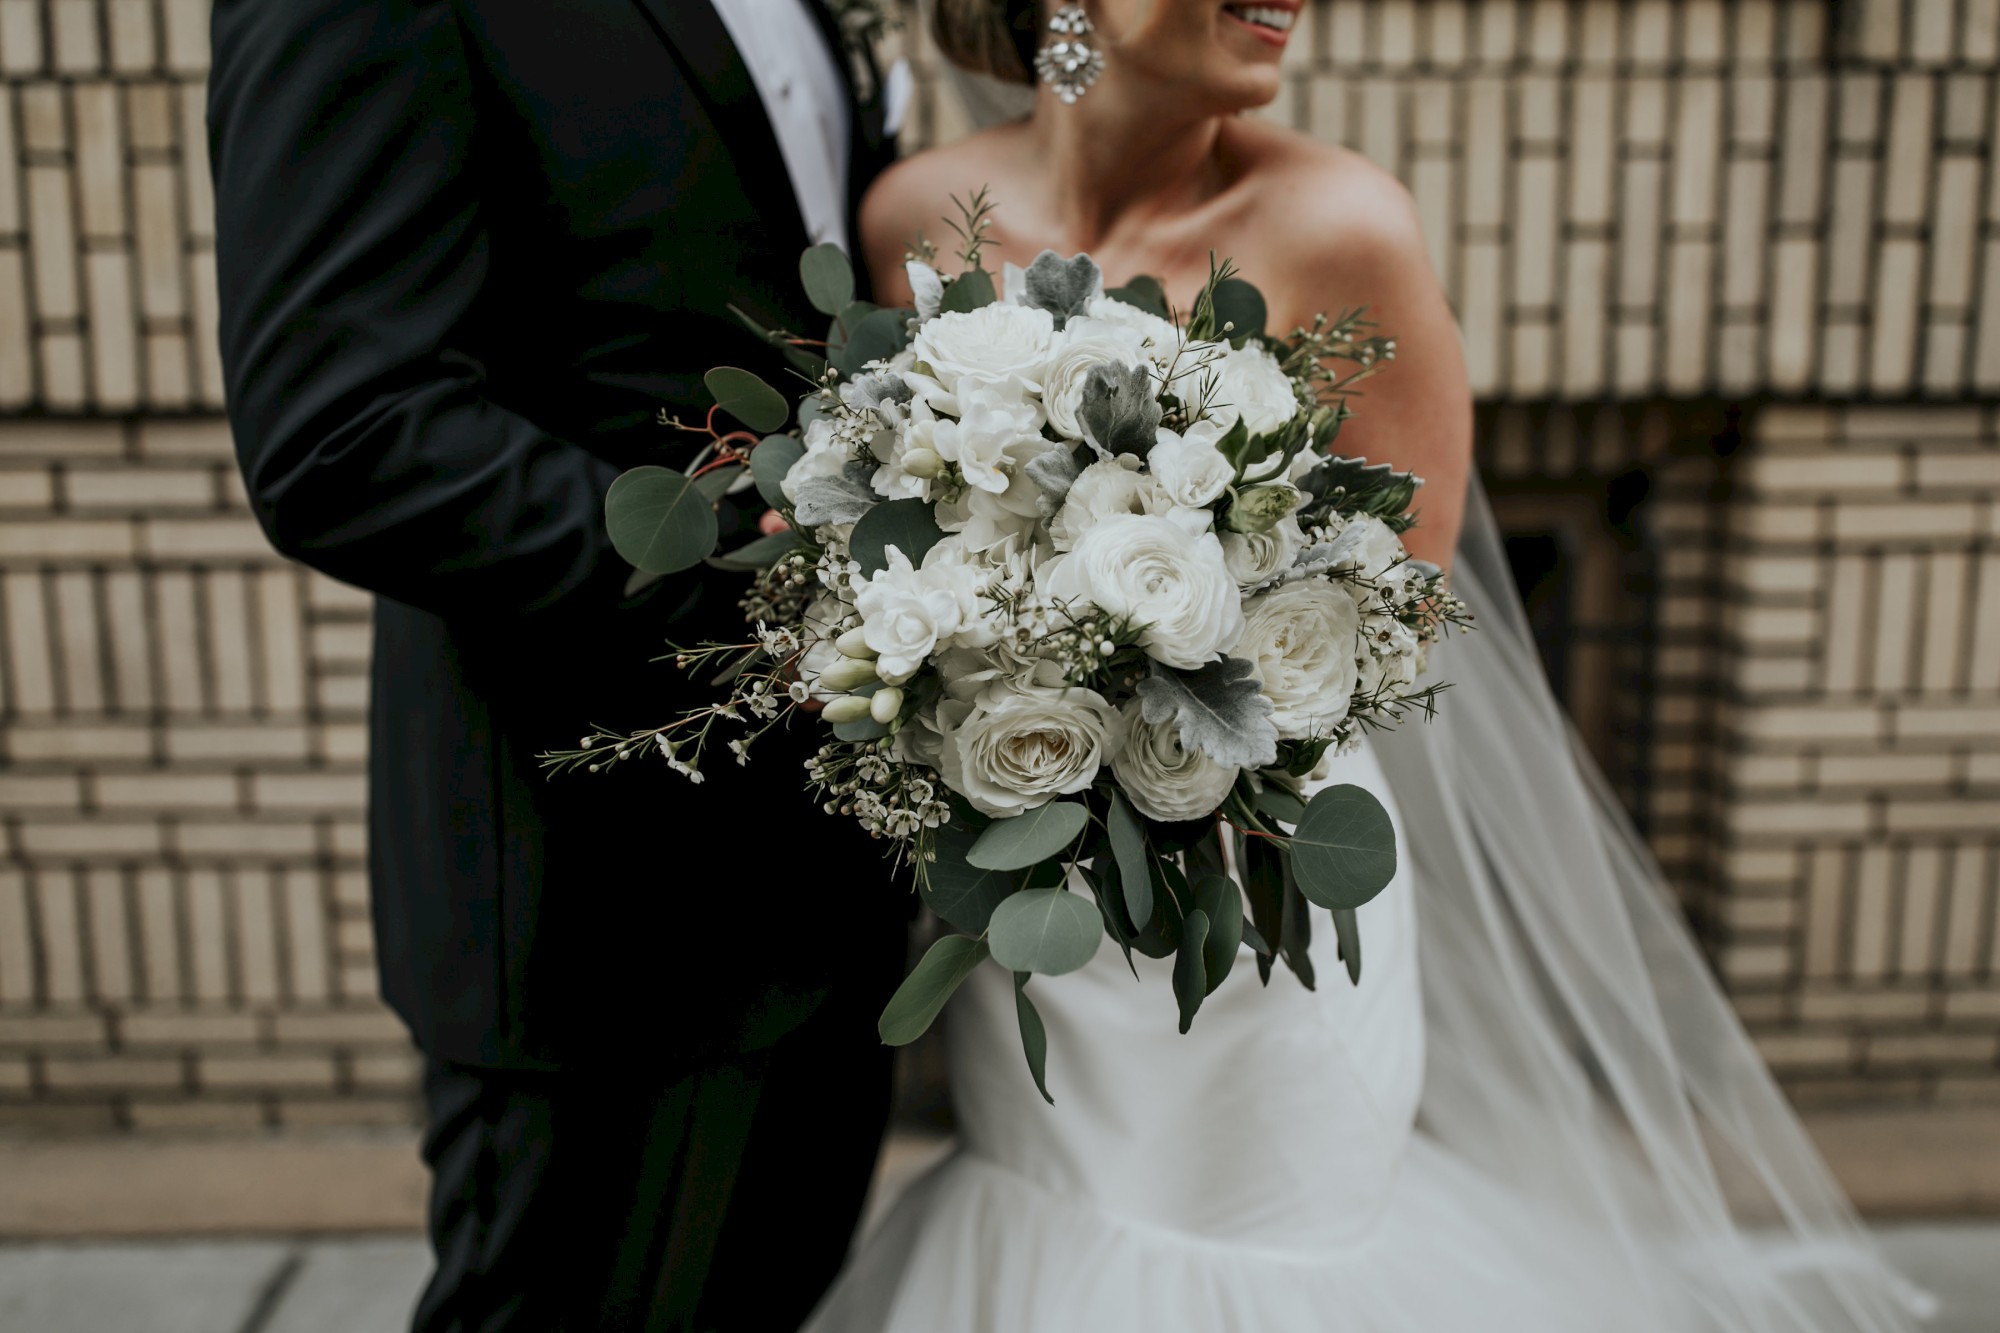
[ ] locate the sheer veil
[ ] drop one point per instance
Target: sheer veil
(1579, 1049)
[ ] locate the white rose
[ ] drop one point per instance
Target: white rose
(904, 613)
(1189, 467)
(1016, 749)
(1255, 558)
(1303, 640)
(1161, 337)
(997, 417)
(1152, 570)
(1164, 779)
(1083, 345)
(1115, 486)
(992, 342)
(1247, 382)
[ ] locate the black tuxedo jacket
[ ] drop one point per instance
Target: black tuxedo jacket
(468, 249)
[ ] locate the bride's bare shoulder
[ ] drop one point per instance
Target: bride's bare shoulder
(1345, 222)
(915, 195)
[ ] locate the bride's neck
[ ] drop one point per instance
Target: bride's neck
(1113, 161)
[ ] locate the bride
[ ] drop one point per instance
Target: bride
(1534, 1111)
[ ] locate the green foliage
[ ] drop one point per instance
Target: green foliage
(1344, 849)
(918, 1001)
(1034, 1036)
(1347, 927)
(1264, 886)
(769, 462)
(1221, 904)
(828, 278)
(751, 401)
(878, 334)
(760, 554)
(1190, 967)
(960, 893)
(1030, 838)
(908, 525)
(1295, 929)
(969, 291)
(1144, 292)
(659, 521)
(1128, 847)
(1240, 306)
(1050, 931)
(1279, 803)
(714, 485)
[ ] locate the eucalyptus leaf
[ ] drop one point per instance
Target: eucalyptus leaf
(1344, 850)
(638, 581)
(907, 525)
(812, 366)
(1101, 873)
(1028, 839)
(1128, 846)
(844, 324)
(1264, 886)
(1280, 804)
(961, 893)
(1219, 709)
(751, 401)
(1221, 903)
(879, 335)
(828, 278)
(1144, 292)
(1034, 1036)
(658, 520)
(820, 500)
(918, 1001)
(714, 485)
(1295, 929)
(1050, 931)
(760, 554)
(969, 291)
(769, 462)
(1190, 967)
(1119, 410)
(1241, 305)
(1063, 287)
(1347, 927)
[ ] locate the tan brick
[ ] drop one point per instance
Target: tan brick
(1930, 521)
(204, 1113)
(1926, 721)
(340, 1026)
(1885, 770)
(204, 539)
(166, 791)
(388, 1070)
(1779, 575)
(139, 488)
(1795, 1051)
(1865, 1006)
(66, 539)
(287, 1071)
(112, 1073)
(1930, 1048)
(1972, 1006)
(196, 743)
(343, 743)
(165, 1027)
(15, 1076)
(320, 792)
(1756, 962)
(1783, 772)
(245, 838)
(1980, 1089)
(1778, 523)
(349, 1112)
(26, 488)
(1761, 865)
(39, 792)
(1829, 722)
(77, 742)
(1822, 473)
(91, 839)
(1912, 424)
(54, 1029)
(1760, 914)
(1920, 816)
(1957, 471)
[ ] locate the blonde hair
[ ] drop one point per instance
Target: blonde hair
(991, 37)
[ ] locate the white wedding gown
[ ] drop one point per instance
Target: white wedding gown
(1263, 1173)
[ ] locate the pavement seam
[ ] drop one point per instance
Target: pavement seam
(273, 1294)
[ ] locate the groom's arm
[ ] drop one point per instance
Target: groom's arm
(352, 255)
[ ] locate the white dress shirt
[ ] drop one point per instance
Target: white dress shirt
(807, 102)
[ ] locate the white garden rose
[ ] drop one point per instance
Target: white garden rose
(1302, 641)
(1161, 337)
(1188, 466)
(991, 342)
(1256, 558)
(996, 416)
(1247, 382)
(1018, 748)
(1084, 344)
(1150, 568)
(904, 614)
(1163, 778)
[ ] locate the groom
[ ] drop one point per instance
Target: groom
(468, 249)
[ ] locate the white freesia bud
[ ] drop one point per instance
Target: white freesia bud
(847, 708)
(854, 643)
(847, 673)
(885, 704)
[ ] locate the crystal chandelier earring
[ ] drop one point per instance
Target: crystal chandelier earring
(1067, 62)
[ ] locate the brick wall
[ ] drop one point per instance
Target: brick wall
(1649, 213)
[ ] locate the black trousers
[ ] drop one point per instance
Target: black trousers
(601, 1199)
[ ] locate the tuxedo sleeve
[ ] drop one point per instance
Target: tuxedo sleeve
(352, 259)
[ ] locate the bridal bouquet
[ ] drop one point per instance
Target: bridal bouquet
(1080, 599)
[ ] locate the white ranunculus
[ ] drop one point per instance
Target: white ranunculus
(1083, 344)
(1247, 382)
(905, 612)
(1107, 487)
(1256, 558)
(997, 417)
(1162, 338)
(1189, 467)
(1303, 641)
(992, 342)
(824, 457)
(1164, 779)
(1150, 568)
(1015, 749)
(926, 286)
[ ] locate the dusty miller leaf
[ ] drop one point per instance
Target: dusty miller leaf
(1053, 471)
(1219, 708)
(1119, 413)
(832, 500)
(1063, 287)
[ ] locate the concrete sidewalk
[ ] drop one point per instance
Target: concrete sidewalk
(368, 1285)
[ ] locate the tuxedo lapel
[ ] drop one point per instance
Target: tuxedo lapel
(713, 65)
